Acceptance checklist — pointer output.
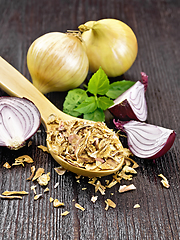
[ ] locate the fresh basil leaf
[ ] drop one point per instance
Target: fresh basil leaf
(89, 105)
(72, 100)
(104, 102)
(71, 112)
(99, 83)
(97, 116)
(117, 88)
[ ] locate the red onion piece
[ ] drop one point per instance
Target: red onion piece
(146, 140)
(19, 120)
(132, 103)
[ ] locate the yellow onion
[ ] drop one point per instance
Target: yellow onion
(57, 61)
(110, 44)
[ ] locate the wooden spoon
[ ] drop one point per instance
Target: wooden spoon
(15, 84)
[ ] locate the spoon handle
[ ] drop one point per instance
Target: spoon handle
(15, 84)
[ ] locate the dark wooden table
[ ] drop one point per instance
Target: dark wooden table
(156, 25)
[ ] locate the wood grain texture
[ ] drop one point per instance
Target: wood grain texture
(156, 25)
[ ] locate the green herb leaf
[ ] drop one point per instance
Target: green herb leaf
(99, 83)
(104, 102)
(97, 116)
(72, 100)
(117, 88)
(77, 102)
(89, 105)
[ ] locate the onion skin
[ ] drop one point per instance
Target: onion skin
(19, 120)
(122, 105)
(110, 44)
(57, 62)
(146, 140)
(144, 80)
(123, 111)
(166, 147)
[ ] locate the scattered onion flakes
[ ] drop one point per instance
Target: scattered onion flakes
(13, 194)
(44, 148)
(44, 179)
(46, 190)
(111, 184)
(77, 205)
(33, 188)
(60, 170)
(39, 172)
(92, 181)
(109, 203)
(57, 203)
(94, 199)
(117, 177)
(78, 176)
(125, 188)
(20, 160)
(10, 197)
(164, 181)
(36, 197)
(137, 206)
(128, 162)
(8, 193)
(100, 187)
(126, 169)
(7, 165)
(29, 143)
(33, 169)
(107, 181)
(56, 185)
(64, 213)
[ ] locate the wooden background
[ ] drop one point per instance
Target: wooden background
(156, 25)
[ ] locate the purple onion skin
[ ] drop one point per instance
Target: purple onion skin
(28, 106)
(120, 126)
(144, 80)
(166, 147)
(123, 111)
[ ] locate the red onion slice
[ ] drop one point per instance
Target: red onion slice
(146, 140)
(19, 120)
(132, 103)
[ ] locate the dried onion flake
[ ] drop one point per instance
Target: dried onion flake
(164, 181)
(7, 165)
(125, 188)
(8, 193)
(109, 203)
(77, 205)
(84, 143)
(65, 213)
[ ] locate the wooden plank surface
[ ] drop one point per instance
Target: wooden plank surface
(156, 25)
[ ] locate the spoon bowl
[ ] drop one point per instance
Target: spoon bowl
(15, 84)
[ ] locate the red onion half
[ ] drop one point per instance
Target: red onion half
(146, 140)
(19, 120)
(132, 103)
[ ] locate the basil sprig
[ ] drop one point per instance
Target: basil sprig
(92, 102)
